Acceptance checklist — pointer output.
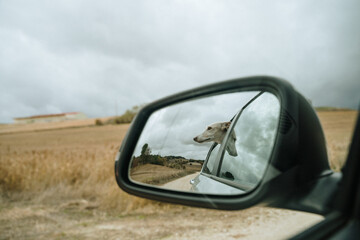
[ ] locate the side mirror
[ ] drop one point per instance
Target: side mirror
(237, 162)
(228, 145)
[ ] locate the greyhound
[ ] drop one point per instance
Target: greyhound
(216, 133)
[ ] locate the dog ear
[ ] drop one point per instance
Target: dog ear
(225, 126)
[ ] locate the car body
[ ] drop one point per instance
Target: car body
(206, 182)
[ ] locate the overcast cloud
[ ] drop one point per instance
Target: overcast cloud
(170, 131)
(91, 56)
(255, 137)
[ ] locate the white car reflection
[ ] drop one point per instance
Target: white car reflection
(206, 185)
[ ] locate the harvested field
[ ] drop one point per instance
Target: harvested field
(338, 127)
(59, 184)
(17, 128)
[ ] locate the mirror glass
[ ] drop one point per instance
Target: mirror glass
(218, 145)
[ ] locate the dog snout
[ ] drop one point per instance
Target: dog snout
(195, 139)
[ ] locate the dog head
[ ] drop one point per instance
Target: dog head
(213, 133)
(216, 133)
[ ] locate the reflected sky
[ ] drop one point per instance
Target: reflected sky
(170, 131)
(255, 132)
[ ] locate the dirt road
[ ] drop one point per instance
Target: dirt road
(181, 184)
(79, 219)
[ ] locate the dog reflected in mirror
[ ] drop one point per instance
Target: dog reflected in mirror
(216, 133)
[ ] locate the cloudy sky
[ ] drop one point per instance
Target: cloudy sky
(170, 131)
(103, 57)
(255, 136)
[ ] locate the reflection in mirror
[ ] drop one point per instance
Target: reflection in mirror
(219, 144)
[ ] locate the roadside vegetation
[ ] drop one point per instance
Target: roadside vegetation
(326, 109)
(59, 165)
(126, 117)
(157, 170)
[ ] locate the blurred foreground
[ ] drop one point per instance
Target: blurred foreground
(59, 184)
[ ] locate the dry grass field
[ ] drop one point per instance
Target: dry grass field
(59, 184)
(61, 164)
(17, 128)
(338, 127)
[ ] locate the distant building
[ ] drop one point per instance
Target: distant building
(50, 118)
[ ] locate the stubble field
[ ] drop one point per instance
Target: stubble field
(59, 184)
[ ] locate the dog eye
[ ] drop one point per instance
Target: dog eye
(209, 128)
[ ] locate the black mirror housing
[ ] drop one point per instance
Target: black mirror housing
(299, 155)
